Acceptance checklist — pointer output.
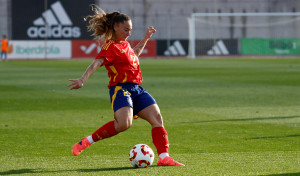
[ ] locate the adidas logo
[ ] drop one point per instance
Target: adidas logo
(59, 24)
(218, 49)
(88, 50)
(175, 50)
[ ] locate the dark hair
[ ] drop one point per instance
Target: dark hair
(101, 23)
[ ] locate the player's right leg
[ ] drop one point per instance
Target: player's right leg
(123, 119)
(80, 146)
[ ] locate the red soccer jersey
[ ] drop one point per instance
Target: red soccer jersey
(121, 63)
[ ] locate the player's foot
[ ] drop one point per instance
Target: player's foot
(168, 161)
(80, 146)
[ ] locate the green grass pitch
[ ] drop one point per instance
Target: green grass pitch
(223, 116)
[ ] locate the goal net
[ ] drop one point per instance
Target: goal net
(244, 34)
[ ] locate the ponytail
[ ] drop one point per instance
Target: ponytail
(102, 24)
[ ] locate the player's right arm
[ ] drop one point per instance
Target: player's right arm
(78, 83)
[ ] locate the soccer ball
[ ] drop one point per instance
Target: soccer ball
(141, 155)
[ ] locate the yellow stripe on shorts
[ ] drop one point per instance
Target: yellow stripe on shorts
(117, 88)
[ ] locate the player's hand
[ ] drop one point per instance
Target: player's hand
(76, 83)
(150, 31)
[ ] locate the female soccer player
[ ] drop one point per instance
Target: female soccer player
(128, 99)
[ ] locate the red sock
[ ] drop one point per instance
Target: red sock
(160, 140)
(106, 131)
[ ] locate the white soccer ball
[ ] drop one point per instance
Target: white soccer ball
(141, 155)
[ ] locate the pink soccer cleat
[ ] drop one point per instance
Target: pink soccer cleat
(80, 146)
(168, 161)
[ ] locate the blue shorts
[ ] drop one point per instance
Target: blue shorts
(130, 94)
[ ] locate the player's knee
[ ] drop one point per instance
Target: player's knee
(127, 125)
(157, 120)
(123, 126)
(160, 119)
(123, 119)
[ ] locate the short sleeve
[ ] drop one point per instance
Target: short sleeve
(108, 53)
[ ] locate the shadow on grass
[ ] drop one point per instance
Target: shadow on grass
(19, 171)
(275, 137)
(284, 174)
(247, 119)
(104, 169)
(39, 171)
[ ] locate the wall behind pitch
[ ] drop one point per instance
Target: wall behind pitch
(90, 48)
(64, 18)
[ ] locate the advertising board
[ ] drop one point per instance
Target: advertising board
(39, 49)
(90, 48)
(272, 46)
(33, 19)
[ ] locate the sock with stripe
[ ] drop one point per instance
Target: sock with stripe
(106, 131)
(160, 140)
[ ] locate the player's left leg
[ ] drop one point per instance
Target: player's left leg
(5, 56)
(159, 135)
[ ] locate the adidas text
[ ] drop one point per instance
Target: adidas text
(53, 31)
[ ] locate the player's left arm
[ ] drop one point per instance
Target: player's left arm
(138, 49)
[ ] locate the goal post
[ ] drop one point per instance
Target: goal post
(216, 33)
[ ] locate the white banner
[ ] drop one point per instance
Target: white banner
(40, 49)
